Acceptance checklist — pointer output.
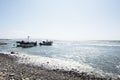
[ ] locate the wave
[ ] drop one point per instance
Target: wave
(53, 63)
(105, 45)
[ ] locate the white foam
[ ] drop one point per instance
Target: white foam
(106, 45)
(3, 52)
(53, 63)
(118, 66)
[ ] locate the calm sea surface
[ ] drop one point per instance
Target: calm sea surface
(101, 55)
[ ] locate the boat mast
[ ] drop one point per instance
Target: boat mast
(28, 38)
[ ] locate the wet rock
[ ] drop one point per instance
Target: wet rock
(11, 74)
(12, 52)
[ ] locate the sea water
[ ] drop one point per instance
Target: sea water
(100, 56)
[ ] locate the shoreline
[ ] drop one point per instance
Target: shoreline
(11, 69)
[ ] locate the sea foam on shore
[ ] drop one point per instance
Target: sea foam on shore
(53, 63)
(76, 70)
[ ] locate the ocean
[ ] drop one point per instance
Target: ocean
(92, 56)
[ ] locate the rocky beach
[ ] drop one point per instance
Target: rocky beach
(10, 69)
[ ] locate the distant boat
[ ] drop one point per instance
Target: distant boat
(3, 43)
(24, 44)
(46, 43)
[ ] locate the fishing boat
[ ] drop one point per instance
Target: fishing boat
(46, 43)
(26, 44)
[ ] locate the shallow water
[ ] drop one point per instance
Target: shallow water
(102, 55)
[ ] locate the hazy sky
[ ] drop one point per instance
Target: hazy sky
(60, 19)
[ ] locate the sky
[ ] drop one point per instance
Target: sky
(60, 19)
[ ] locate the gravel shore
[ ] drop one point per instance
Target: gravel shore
(10, 69)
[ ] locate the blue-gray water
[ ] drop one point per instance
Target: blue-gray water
(100, 54)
